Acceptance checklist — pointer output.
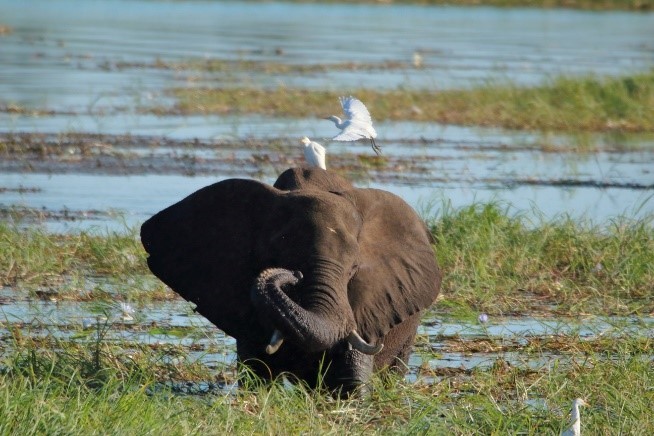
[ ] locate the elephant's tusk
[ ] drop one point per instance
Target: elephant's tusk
(359, 344)
(276, 341)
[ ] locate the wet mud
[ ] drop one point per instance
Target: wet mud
(134, 155)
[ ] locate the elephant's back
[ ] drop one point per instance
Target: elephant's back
(294, 179)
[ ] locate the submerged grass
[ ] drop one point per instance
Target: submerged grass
(267, 67)
(562, 104)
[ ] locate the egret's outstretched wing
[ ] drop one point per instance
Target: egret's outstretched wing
(355, 110)
(357, 125)
(350, 134)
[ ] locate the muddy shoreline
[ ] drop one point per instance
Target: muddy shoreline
(79, 153)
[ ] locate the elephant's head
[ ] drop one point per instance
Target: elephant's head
(315, 262)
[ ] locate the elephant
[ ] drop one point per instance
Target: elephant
(314, 278)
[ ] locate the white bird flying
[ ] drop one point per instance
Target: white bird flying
(575, 428)
(314, 153)
(358, 124)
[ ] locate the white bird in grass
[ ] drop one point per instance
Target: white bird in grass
(127, 312)
(358, 124)
(314, 153)
(575, 427)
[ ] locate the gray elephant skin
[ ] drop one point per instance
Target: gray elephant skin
(311, 276)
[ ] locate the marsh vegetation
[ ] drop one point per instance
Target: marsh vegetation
(495, 261)
(68, 391)
(529, 157)
(563, 104)
(96, 377)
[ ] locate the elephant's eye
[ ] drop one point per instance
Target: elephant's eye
(354, 271)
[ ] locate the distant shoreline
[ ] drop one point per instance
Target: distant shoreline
(595, 5)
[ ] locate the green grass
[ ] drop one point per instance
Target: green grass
(68, 265)
(76, 388)
(493, 261)
(497, 262)
(562, 104)
(34, 255)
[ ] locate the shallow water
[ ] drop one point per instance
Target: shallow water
(174, 323)
(61, 52)
(130, 200)
(488, 165)
(523, 327)
(64, 55)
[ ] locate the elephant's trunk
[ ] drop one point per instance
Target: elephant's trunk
(311, 330)
(318, 327)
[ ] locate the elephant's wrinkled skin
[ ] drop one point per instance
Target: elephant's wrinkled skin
(311, 260)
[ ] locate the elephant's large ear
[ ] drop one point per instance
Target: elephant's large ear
(202, 248)
(398, 275)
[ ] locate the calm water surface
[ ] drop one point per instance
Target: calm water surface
(64, 55)
(61, 52)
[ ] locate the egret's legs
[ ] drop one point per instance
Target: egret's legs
(375, 147)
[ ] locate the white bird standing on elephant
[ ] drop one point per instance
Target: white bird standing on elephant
(314, 153)
(358, 124)
(575, 427)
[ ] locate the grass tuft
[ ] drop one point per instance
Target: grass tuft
(80, 266)
(496, 262)
(34, 256)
